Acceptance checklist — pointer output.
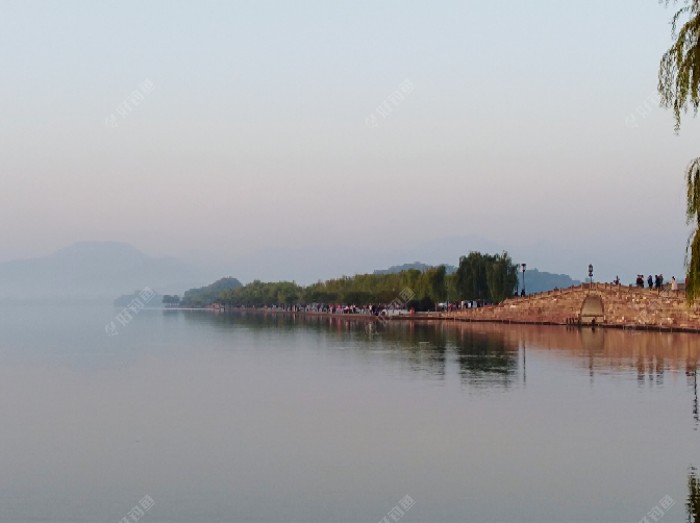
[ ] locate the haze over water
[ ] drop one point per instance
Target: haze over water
(246, 418)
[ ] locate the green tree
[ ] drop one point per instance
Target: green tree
(486, 277)
(436, 283)
(679, 70)
(471, 280)
(357, 298)
(693, 217)
(502, 276)
(204, 296)
(693, 501)
(452, 291)
(679, 89)
(287, 293)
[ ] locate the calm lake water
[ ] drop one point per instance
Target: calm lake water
(245, 418)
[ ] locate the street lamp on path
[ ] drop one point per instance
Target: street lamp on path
(590, 271)
(523, 265)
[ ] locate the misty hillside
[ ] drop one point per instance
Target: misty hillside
(540, 281)
(95, 270)
(395, 269)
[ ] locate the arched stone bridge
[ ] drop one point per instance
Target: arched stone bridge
(598, 303)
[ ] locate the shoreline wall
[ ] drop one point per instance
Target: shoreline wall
(622, 307)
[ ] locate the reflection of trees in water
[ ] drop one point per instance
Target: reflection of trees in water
(693, 502)
(486, 352)
(256, 321)
(423, 346)
(691, 374)
(486, 358)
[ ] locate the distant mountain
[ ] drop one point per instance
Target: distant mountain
(95, 270)
(536, 281)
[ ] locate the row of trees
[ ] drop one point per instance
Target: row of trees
(479, 277)
(360, 290)
(258, 294)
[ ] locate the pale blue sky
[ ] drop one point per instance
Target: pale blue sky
(255, 139)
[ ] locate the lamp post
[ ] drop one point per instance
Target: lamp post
(523, 266)
(590, 272)
(447, 294)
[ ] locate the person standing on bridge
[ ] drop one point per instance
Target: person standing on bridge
(674, 284)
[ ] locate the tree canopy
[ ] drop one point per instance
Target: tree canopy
(486, 277)
(679, 70)
(208, 294)
(360, 290)
(679, 88)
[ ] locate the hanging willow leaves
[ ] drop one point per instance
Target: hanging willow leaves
(693, 502)
(679, 89)
(693, 217)
(679, 70)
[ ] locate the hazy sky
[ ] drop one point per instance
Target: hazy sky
(254, 133)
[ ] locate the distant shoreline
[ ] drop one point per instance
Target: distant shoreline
(625, 308)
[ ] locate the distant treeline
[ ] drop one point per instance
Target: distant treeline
(359, 290)
(484, 277)
(205, 296)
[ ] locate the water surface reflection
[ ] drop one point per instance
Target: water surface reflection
(494, 352)
(634, 414)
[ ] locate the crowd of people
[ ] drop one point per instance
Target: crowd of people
(656, 282)
(395, 308)
(374, 310)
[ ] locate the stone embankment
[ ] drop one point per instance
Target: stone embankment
(598, 303)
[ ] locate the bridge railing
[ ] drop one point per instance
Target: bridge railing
(602, 287)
